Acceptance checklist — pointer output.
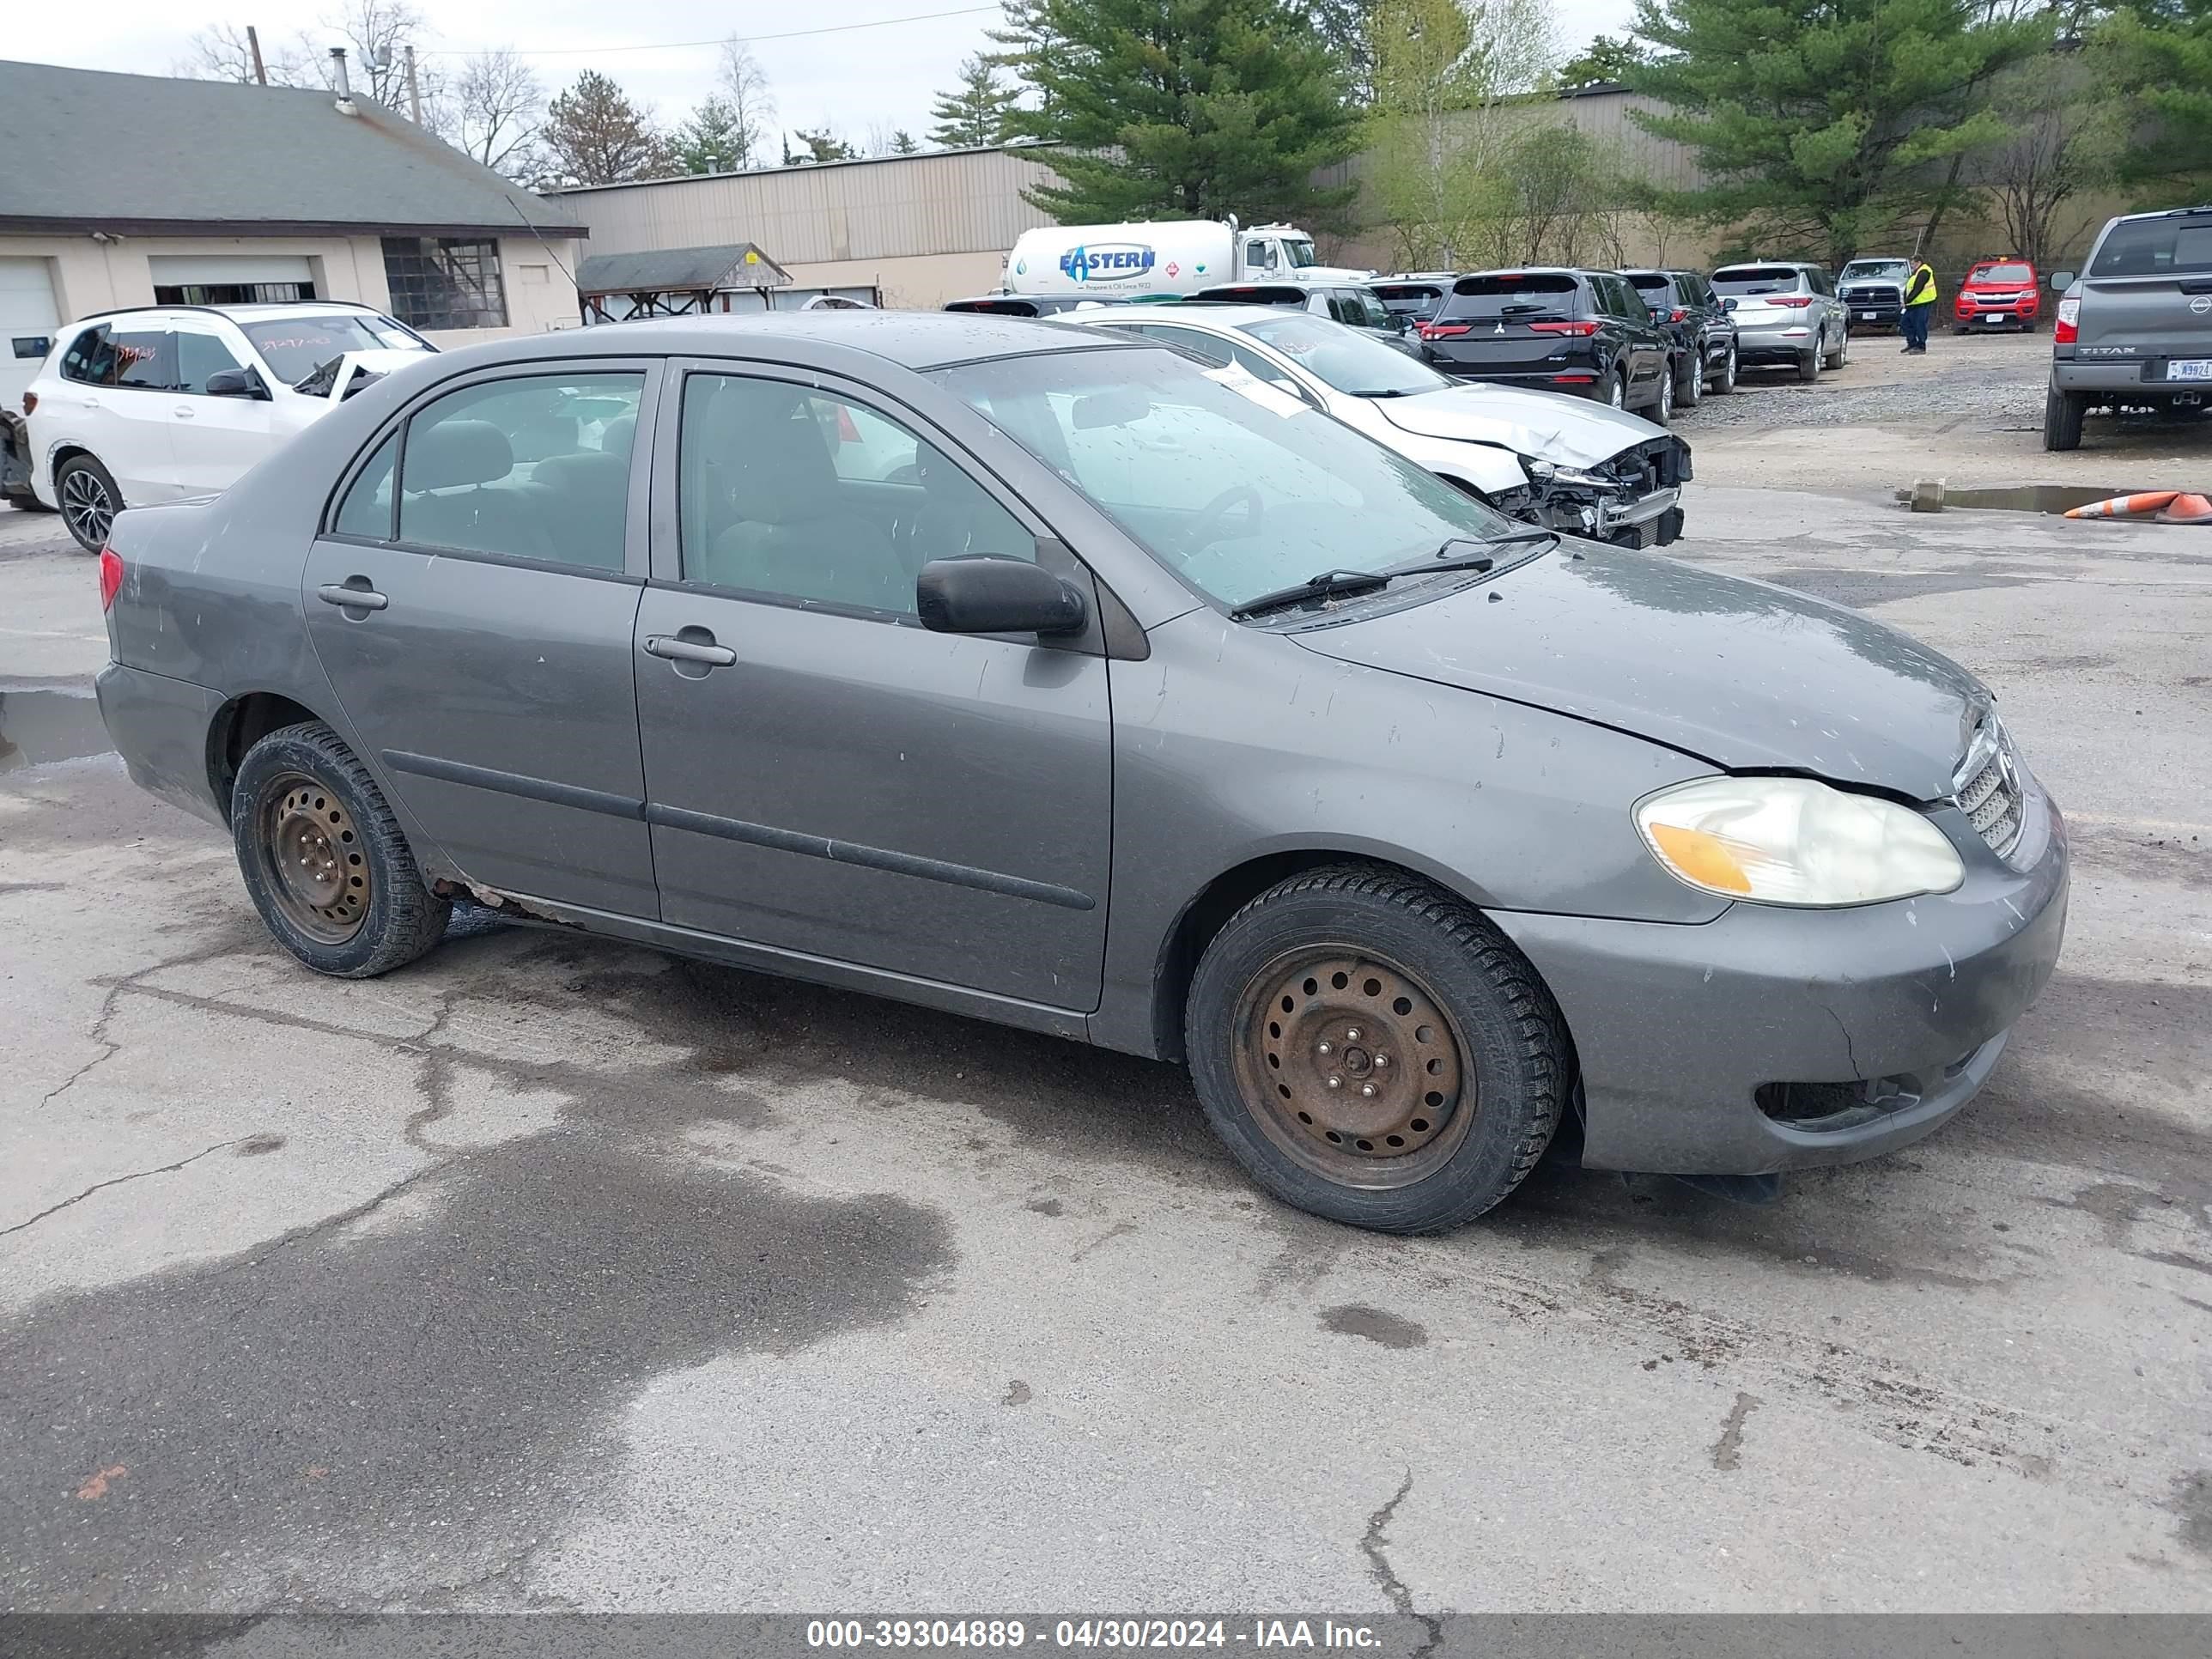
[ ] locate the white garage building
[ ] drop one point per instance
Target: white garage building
(127, 190)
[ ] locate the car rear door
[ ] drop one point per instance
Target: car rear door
(824, 776)
(119, 381)
(216, 439)
(475, 622)
(2147, 297)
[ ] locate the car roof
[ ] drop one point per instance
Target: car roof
(238, 313)
(1770, 264)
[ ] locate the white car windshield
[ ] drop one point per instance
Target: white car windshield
(296, 347)
(1357, 364)
(1239, 488)
(1861, 269)
(1298, 253)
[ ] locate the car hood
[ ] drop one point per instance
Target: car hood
(1750, 676)
(1543, 425)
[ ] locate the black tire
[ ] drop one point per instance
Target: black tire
(2062, 419)
(1510, 1064)
(1725, 380)
(1808, 364)
(1616, 389)
(1660, 410)
(90, 499)
(1690, 385)
(281, 786)
(1842, 354)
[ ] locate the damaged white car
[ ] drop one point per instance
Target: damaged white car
(165, 402)
(1565, 463)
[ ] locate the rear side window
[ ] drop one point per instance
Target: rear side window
(1515, 293)
(86, 358)
(1739, 282)
(2002, 273)
(532, 468)
(2180, 244)
(1345, 308)
(144, 358)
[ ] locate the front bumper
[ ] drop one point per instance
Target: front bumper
(161, 727)
(1881, 313)
(1969, 312)
(1883, 1020)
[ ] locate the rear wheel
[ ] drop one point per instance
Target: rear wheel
(323, 859)
(2062, 419)
(1809, 364)
(90, 500)
(1375, 1051)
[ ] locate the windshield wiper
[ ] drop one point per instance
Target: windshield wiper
(1324, 585)
(1478, 556)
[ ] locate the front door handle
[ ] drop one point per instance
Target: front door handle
(183, 411)
(678, 649)
(363, 598)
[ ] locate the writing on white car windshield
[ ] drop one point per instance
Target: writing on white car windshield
(1357, 364)
(296, 347)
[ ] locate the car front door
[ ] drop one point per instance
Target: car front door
(473, 608)
(216, 439)
(824, 776)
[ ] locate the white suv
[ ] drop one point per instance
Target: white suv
(162, 403)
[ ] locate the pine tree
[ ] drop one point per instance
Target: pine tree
(1181, 108)
(2158, 52)
(904, 142)
(711, 139)
(1825, 125)
(593, 135)
(975, 112)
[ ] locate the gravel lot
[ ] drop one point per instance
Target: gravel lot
(552, 1273)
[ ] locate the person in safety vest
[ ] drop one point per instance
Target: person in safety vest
(1919, 306)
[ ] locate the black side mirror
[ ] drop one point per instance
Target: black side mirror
(996, 596)
(237, 383)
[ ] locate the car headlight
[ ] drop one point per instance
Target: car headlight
(1551, 472)
(1793, 841)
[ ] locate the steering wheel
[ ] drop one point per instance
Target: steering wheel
(1208, 523)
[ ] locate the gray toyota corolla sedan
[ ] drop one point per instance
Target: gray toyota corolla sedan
(1056, 678)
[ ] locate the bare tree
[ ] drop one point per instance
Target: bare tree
(742, 88)
(376, 34)
(493, 110)
(2065, 142)
(223, 52)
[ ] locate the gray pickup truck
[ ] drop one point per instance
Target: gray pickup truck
(2135, 327)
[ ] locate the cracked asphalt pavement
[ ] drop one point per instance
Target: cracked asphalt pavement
(552, 1273)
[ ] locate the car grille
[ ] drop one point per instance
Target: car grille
(1873, 296)
(1987, 788)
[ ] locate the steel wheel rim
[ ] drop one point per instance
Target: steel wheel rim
(1617, 397)
(87, 507)
(1665, 397)
(1697, 378)
(1731, 365)
(312, 855)
(1405, 1095)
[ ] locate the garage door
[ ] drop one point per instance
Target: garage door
(231, 280)
(28, 322)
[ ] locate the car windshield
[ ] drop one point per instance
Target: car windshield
(1239, 488)
(1298, 253)
(2003, 273)
(1513, 294)
(1861, 271)
(2173, 243)
(1361, 365)
(294, 347)
(1746, 280)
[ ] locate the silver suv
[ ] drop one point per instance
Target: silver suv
(1785, 312)
(2135, 328)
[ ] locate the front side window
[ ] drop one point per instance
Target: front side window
(294, 347)
(1233, 486)
(444, 281)
(1357, 364)
(1261, 254)
(536, 467)
(200, 355)
(801, 495)
(1373, 310)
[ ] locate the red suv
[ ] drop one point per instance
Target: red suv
(1998, 293)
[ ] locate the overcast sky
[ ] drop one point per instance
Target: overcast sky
(853, 80)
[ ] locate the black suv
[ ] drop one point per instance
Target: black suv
(1684, 304)
(1415, 295)
(1551, 329)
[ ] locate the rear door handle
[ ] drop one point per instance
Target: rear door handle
(363, 598)
(682, 650)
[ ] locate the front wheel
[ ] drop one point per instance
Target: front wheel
(90, 500)
(1662, 408)
(1690, 390)
(1616, 389)
(325, 861)
(1373, 1050)
(1842, 354)
(2062, 419)
(1725, 380)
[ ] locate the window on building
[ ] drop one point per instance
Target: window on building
(231, 294)
(444, 281)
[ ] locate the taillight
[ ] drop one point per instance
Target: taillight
(30, 402)
(2064, 332)
(111, 577)
(1678, 314)
(1578, 328)
(1443, 330)
(1795, 302)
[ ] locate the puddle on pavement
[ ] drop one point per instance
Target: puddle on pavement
(38, 727)
(2031, 498)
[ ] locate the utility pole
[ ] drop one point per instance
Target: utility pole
(254, 43)
(414, 88)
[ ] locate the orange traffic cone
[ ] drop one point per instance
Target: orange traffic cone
(2187, 509)
(2125, 507)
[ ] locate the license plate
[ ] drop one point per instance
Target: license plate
(1996, 317)
(2190, 368)
(1866, 316)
